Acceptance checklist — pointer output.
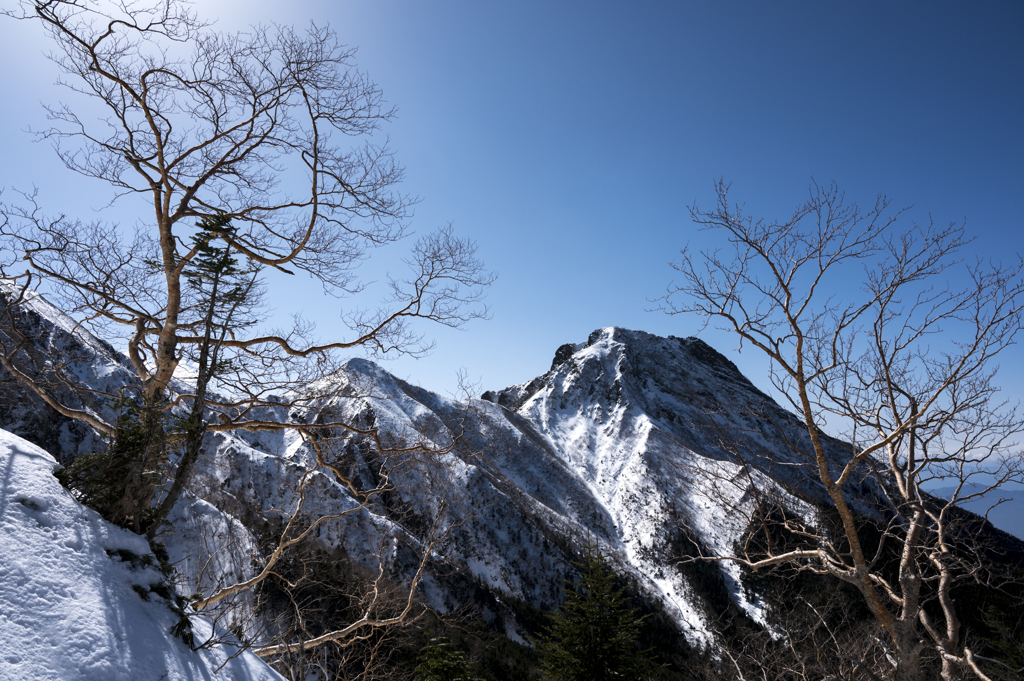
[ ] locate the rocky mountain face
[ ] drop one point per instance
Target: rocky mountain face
(55, 351)
(650, 447)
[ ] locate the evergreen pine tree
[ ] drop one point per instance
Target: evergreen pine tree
(223, 295)
(594, 635)
(439, 660)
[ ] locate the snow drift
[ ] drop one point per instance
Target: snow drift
(76, 593)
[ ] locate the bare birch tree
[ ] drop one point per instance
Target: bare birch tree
(883, 337)
(260, 152)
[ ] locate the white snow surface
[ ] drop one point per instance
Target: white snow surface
(68, 609)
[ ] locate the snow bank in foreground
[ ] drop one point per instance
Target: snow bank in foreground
(67, 606)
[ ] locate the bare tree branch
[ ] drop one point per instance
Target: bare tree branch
(899, 369)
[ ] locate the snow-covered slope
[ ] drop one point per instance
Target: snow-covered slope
(638, 421)
(59, 354)
(648, 446)
(76, 598)
(619, 443)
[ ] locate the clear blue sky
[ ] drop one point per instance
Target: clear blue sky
(568, 139)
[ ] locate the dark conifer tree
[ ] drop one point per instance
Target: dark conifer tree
(224, 294)
(439, 660)
(595, 635)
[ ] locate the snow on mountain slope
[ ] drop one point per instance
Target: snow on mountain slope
(620, 442)
(57, 352)
(603, 446)
(632, 416)
(70, 591)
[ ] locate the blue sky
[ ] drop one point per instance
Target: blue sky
(569, 138)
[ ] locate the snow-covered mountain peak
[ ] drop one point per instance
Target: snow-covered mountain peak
(637, 420)
(658, 375)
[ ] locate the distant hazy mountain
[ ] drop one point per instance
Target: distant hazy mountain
(1004, 507)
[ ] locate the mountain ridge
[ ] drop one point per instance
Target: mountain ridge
(631, 440)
